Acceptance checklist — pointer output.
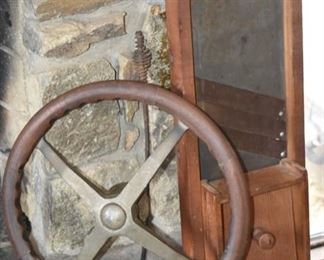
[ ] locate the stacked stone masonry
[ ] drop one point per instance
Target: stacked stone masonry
(49, 9)
(61, 45)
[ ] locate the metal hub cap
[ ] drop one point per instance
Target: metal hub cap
(113, 216)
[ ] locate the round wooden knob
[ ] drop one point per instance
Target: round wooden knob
(264, 239)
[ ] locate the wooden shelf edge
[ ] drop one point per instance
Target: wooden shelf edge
(280, 176)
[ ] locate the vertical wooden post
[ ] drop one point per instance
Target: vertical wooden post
(182, 77)
(293, 55)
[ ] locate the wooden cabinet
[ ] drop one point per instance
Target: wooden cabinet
(280, 213)
(251, 114)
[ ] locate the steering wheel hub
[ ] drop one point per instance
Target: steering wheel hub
(113, 216)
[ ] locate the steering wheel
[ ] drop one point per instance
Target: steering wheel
(114, 216)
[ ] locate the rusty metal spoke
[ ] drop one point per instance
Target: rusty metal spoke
(71, 177)
(148, 240)
(137, 184)
(96, 243)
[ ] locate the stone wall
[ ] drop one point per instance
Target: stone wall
(58, 45)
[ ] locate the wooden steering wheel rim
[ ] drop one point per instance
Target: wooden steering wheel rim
(190, 115)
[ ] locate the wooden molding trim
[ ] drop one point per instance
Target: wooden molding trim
(293, 60)
(182, 78)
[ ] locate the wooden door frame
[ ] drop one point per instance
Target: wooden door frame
(183, 81)
(294, 85)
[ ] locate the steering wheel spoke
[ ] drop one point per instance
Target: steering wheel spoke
(148, 240)
(138, 183)
(73, 179)
(96, 243)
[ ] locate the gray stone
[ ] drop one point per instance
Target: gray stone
(164, 186)
(131, 136)
(7, 253)
(127, 68)
(3, 161)
(58, 81)
(157, 42)
(160, 124)
(48, 9)
(131, 107)
(71, 219)
(87, 132)
(127, 72)
(71, 37)
(123, 251)
(106, 174)
(159, 2)
(3, 235)
(164, 196)
(60, 219)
